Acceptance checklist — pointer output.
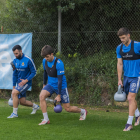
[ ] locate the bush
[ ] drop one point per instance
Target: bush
(88, 78)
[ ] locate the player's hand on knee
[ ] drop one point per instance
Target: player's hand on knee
(23, 82)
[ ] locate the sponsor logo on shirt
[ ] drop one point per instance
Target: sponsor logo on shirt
(61, 71)
(126, 56)
(21, 69)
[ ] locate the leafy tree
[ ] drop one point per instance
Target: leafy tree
(88, 26)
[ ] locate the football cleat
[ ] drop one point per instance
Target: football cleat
(137, 120)
(13, 115)
(35, 109)
(128, 127)
(44, 122)
(83, 116)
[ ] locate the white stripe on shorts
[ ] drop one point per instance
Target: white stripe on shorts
(138, 84)
(24, 88)
(67, 93)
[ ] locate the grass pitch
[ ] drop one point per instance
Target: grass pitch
(99, 125)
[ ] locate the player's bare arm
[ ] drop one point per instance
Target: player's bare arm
(120, 69)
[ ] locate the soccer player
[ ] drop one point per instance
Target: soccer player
(23, 71)
(128, 55)
(55, 74)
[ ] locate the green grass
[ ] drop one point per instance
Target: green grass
(99, 125)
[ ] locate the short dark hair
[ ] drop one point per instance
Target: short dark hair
(123, 31)
(46, 50)
(18, 47)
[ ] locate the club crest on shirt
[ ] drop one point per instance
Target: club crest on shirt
(22, 64)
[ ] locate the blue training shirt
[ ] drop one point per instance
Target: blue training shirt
(53, 81)
(25, 69)
(131, 68)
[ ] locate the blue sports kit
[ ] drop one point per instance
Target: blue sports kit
(24, 69)
(131, 65)
(54, 73)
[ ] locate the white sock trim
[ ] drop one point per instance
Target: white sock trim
(35, 105)
(15, 110)
(82, 111)
(137, 113)
(130, 120)
(45, 115)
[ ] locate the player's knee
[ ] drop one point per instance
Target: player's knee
(130, 99)
(14, 93)
(41, 97)
(68, 109)
(22, 102)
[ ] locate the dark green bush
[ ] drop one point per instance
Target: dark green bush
(88, 78)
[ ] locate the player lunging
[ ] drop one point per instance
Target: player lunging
(55, 74)
(23, 71)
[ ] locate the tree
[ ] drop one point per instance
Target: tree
(88, 26)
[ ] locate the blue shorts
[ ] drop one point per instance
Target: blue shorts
(22, 90)
(64, 93)
(131, 84)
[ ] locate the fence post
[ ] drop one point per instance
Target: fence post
(59, 27)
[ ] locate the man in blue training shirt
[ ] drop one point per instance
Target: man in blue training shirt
(23, 71)
(54, 73)
(128, 55)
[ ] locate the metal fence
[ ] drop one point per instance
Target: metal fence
(88, 44)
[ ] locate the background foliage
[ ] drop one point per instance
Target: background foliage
(89, 40)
